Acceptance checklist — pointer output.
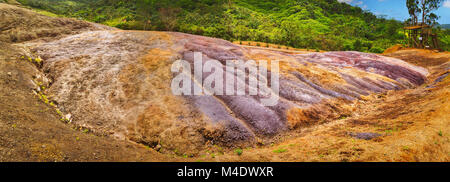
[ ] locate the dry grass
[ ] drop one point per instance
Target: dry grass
(20, 25)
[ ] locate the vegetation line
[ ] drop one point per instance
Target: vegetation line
(320, 24)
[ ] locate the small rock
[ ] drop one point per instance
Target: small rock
(259, 142)
(68, 116)
(158, 147)
(365, 136)
(9, 74)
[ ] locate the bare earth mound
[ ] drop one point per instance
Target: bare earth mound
(117, 84)
(30, 129)
(19, 25)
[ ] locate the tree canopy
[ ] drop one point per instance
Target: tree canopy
(318, 24)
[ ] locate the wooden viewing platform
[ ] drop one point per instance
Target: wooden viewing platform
(416, 27)
(420, 35)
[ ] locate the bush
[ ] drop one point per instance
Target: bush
(357, 45)
(347, 47)
(376, 50)
(238, 151)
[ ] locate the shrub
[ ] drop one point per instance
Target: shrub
(357, 45)
(376, 50)
(347, 47)
(280, 150)
(238, 151)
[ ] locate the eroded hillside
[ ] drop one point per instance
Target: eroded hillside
(117, 84)
(30, 129)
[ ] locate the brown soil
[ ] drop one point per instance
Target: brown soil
(420, 57)
(19, 25)
(30, 129)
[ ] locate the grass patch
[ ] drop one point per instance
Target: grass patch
(46, 13)
(280, 150)
(238, 151)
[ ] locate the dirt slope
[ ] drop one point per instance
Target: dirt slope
(19, 25)
(32, 131)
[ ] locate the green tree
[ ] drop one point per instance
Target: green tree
(145, 10)
(357, 45)
(428, 6)
(413, 10)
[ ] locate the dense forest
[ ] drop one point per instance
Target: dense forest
(319, 24)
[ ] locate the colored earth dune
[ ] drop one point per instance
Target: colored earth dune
(118, 83)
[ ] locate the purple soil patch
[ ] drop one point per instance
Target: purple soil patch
(365, 136)
(439, 79)
(234, 130)
(366, 62)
